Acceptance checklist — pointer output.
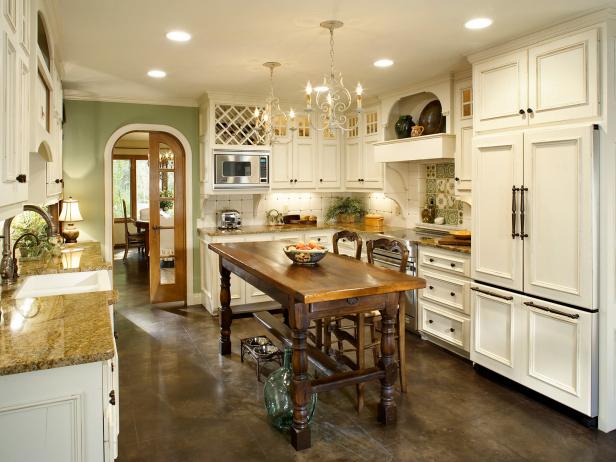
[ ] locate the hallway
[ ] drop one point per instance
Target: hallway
(180, 401)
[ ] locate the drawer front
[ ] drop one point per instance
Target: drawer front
(445, 325)
(294, 237)
(449, 291)
(452, 262)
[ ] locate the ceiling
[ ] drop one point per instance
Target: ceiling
(108, 46)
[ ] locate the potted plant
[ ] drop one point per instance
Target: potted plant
(345, 210)
(30, 222)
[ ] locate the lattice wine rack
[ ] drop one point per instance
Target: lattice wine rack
(236, 125)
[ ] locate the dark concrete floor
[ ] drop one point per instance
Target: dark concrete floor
(181, 401)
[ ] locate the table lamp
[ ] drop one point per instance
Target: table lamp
(69, 215)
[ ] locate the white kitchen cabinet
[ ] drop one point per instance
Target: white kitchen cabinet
(444, 304)
(464, 135)
(251, 293)
(293, 158)
(563, 79)
(533, 213)
(498, 167)
(500, 88)
(362, 171)
(545, 346)
(329, 160)
(554, 81)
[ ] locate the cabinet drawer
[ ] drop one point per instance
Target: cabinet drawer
(445, 325)
(451, 262)
(449, 291)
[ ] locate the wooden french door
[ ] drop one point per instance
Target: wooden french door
(167, 219)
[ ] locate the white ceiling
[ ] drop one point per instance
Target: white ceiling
(108, 46)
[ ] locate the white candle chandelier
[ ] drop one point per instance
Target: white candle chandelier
(332, 100)
(272, 116)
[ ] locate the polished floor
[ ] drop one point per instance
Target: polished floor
(180, 401)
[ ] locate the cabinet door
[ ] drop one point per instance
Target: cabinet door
(281, 171)
(558, 252)
(497, 168)
(372, 176)
(238, 285)
(463, 122)
(254, 295)
(329, 160)
(559, 354)
(304, 165)
(54, 175)
(495, 332)
(500, 86)
(353, 163)
(563, 79)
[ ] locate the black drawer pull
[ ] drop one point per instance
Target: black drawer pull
(112, 399)
(431, 260)
(21, 178)
(451, 329)
(529, 110)
(57, 181)
(492, 294)
(522, 112)
(430, 321)
(453, 265)
(453, 294)
(431, 287)
(552, 310)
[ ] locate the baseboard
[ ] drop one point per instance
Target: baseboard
(194, 299)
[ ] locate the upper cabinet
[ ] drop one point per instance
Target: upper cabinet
(329, 159)
(293, 160)
(463, 106)
(551, 82)
(362, 171)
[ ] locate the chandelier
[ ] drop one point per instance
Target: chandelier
(332, 100)
(271, 118)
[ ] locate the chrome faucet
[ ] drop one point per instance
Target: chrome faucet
(8, 265)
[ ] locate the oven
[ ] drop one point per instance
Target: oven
(391, 260)
(241, 169)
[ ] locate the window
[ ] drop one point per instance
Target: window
(372, 123)
(352, 121)
(467, 103)
(131, 183)
(303, 126)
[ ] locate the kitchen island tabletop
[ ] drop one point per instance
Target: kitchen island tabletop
(337, 286)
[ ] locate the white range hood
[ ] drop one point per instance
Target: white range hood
(420, 148)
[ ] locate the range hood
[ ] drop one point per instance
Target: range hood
(419, 148)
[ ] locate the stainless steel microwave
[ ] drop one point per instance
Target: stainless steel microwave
(241, 169)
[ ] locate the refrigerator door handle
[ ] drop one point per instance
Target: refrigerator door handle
(523, 234)
(514, 217)
(492, 294)
(552, 310)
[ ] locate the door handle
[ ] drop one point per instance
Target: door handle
(514, 234)
(522, 213)
(492, 294)
(552, 310)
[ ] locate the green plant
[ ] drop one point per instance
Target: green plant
(166, 205)
(345, 206)
(30, 222)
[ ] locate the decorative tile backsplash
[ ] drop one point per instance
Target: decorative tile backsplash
(441, 187)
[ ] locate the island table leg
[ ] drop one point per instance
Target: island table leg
(225, 310)
(300, 390)
(387, 405)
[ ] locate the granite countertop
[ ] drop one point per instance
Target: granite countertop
(60, 330)
(78, 257)
(361, 228)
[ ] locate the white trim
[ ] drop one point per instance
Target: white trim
(76, 95)
(108, 248)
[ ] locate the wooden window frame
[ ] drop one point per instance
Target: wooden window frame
(133, 183)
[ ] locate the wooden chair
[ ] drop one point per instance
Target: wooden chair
(131, 239)
(358, 340)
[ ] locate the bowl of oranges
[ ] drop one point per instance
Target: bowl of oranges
(308, 254)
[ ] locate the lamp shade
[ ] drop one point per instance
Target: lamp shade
(70, 211)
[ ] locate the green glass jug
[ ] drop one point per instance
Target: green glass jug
(277, 395)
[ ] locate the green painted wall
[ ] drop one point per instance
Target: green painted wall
(89, 124)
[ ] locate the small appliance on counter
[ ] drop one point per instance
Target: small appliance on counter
(374, 221)
(229, 219)
(274, 217)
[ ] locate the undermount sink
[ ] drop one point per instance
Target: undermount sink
(64, 283)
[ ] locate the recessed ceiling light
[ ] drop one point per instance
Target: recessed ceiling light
(383, 62)
(157, 73)
(478, 23)
(321, 89)
(178, 36)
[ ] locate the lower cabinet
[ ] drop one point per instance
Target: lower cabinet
(243, 293)
(444, 305)
(545, 346)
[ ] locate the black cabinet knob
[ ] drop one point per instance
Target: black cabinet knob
(321, 180)
(295, 180)
(522, 112)
(112, 399)
(451, 329)
(453, 265)
(430, 321)
(291, 181)
(57, 180)
(529, 110)
(431, 260)
(453, 294)
(21, 178)
(457, 179)
(431, 287)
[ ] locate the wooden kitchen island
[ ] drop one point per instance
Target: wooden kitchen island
(337, 286)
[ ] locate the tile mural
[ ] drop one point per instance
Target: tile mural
(441, 186)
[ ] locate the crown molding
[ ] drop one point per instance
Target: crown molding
(568, 25)
(76, 95)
